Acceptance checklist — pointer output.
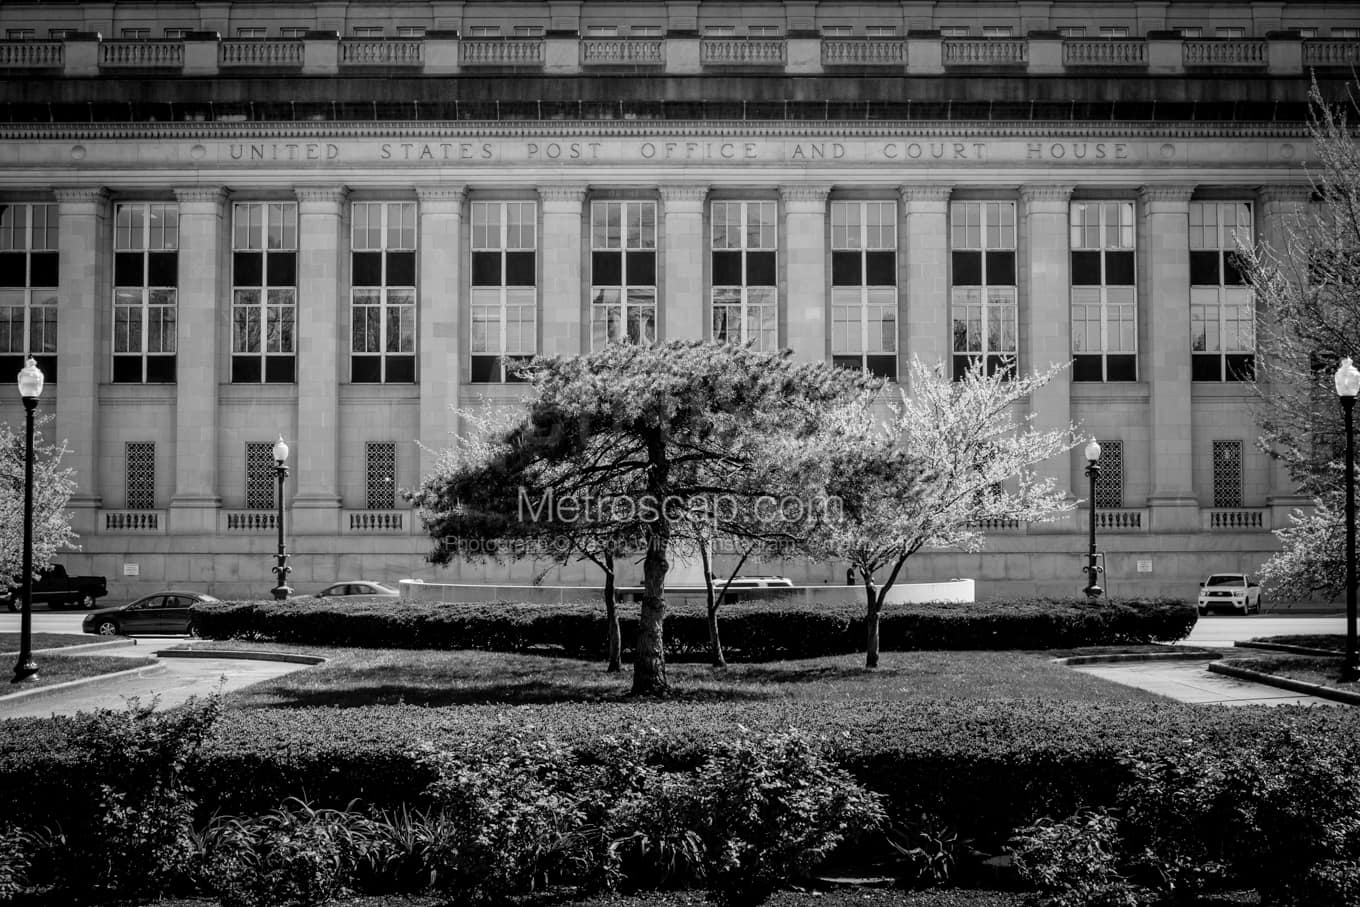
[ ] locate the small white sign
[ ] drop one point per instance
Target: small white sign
(1145, 566)
(132, 570)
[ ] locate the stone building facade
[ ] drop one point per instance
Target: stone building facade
(339, 221)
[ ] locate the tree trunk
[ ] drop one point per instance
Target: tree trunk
(611, 617)
(715, 652)
(649, 657)
(873, 605)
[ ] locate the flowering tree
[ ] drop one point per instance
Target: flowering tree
(1308, 296)
(625, 442)
(951, 457)
(53, 485)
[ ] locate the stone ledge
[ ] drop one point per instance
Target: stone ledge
(1116, 658)
(243, 654)
(1285, 683)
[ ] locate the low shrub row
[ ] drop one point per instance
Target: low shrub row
(1162, 802)
(983, 767)
(755, 631)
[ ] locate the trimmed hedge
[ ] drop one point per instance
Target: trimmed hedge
(984, 767)
(754, 631)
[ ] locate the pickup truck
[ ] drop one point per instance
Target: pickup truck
(55, 588)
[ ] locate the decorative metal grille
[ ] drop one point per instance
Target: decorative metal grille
(1110, 482)
(260, 475)
(140, 475)
(380, 475)
(1227, 473)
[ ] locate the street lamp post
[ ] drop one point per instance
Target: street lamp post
(282, 590)
(30, 388)
(1092, 590)
(1347, 385)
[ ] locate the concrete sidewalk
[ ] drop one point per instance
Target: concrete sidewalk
(1191, 681)
(173, 679)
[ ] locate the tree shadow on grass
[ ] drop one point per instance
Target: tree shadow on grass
(509, 692)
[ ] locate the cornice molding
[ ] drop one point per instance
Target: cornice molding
(442, 193)
(77, 195)
(325, 194)
(1033, 193)
(566, 194)
(1179, 192)
(805, 196)
(895, 130)
(925, 192)
(214, 195)
(1291, 194)
(677, 197)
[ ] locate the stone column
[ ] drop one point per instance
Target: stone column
(925, 216)
(1279, 207)
(682, 305)
(84, 250)
(322, 340)
(202, 264)
(805, 278)
(1045, 278)
(561, 309)
(1164, 296)
(441, 302)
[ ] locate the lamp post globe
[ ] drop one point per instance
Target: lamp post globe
(1347, 380)
(1092, 569)
(282, 591)
(30, 389)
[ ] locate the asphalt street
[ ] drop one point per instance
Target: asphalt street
(180, 678)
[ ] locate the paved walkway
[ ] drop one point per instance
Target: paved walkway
(174, 680)
(1191, 681)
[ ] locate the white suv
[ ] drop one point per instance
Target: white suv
(1229, 591)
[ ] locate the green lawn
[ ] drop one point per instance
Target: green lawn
(843, 897)
(61, 668)
(356, 677)
(1319, 669)
(1333, 642)
(9, 642)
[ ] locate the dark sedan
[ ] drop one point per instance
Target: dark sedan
(158, 614)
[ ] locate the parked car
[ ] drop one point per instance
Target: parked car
(356, 587)
(158, 614)
(56, 589)
(1235, 592)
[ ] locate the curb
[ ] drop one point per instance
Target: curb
(1286, 647)
(1285, 683)
(243, 654)
(39, 692)
(1136, 656)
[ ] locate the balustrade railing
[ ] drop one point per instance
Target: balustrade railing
(863, 52)
(249, 521)
(623, 52)
(743, 52)
(139, 521)
(383, 52)
(501, 52)
(141, 54)
(1104, 52)
(375, 521)
(1119, 520)
(280, 54)
(32, 54)
(985, 52)
(1236, 518)
(1244, 53)
(1331, 53)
